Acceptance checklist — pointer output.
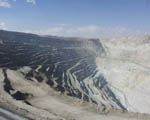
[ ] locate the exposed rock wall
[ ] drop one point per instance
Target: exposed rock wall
(108, 74)
(127, 70)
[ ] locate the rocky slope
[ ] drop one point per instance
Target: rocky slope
(112, 74)
(127, 70)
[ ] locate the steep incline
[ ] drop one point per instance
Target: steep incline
(107, 74)
(65, 64)
(126, 68)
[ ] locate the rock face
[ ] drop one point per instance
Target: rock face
(112, 74)
(127, 70)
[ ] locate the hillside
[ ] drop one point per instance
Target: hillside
(67, 78)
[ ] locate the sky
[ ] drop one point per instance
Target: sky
(76, 18)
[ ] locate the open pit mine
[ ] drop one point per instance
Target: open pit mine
(58, 78)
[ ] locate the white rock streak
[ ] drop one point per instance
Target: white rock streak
(6, 115)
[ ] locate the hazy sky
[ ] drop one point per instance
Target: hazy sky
(84, 18)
